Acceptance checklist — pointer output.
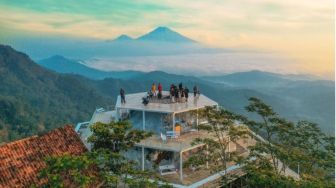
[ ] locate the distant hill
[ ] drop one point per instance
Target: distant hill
(123, 38)
(61, 64)
(255, 78)
(250, 79)
(33, 99)
(296, 97)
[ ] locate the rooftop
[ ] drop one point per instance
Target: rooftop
(22, 160)
(134, 102)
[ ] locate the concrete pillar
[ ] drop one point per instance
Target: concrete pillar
(142, 158)
(117, 114)
(173, 121)
(197, 119)
(143, 120)
(181, 166)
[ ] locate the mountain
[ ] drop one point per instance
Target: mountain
(33, 99)
(61, 64)
(164, 34)
(123, 38)
(160, 41)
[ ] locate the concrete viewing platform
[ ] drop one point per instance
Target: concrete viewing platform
(134, 102)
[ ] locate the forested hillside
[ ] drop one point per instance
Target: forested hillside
(33, 99)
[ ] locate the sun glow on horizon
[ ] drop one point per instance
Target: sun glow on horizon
(302, 30)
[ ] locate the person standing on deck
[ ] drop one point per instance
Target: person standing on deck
(186, 93)
(154, 89)
(195, 90)
(122, 96)
(160, 88)
(180, 87)
(172, 93)
(176, 94)
(160, 91)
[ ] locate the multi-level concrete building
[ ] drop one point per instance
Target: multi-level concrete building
(174, 126)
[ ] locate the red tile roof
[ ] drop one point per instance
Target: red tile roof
(22, 160)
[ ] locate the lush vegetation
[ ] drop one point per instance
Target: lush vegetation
(34, 100)
(215, 154)
(285, 145)
(106, 163)
(300, 146)
(269, 163)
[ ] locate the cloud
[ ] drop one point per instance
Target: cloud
(199, 64)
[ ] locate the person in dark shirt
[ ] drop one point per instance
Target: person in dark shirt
(186, 93)
(172, 90)
(176, 94)
(180, 87)
(160, 91)
(122, 96)
(195, 90)
(160, 88)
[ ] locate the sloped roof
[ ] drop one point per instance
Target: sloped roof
(22, 160)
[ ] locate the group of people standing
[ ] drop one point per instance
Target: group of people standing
(176, 93)
(159, 89)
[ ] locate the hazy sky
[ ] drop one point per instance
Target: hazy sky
(299, 29)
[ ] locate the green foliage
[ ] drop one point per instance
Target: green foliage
(115, 136)
(105, 163)
(222, 129)
(33, 99)
(74, 170)
(109, 141)
(289, 144)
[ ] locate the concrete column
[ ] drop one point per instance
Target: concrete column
(118, 114)
(173, 121)
(197, 119)
(143, 120)
(142, 158)
(181, 166)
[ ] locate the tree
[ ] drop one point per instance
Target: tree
(69, 171)
(115, 136)
(105, 162)
(222, 131)
(286, 144)
(109, 142)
